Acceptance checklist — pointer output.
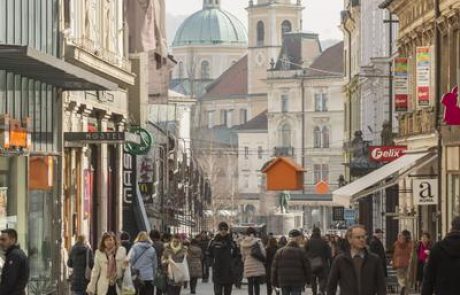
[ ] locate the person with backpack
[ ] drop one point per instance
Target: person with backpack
(319, 256)
(143, 261)
(81, 261)
(253, 255)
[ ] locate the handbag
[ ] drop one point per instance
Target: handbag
(87, 268)
(178, 272)
(316, 264)
(256, 252)
(160, 280)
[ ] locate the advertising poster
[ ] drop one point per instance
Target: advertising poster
(3, 202)
(423, 68)
(400, 84)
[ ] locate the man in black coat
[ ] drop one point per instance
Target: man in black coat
(376, 247)
(357, 271)
(15, 272)
(222, 251)
(443, 267)
(204, 243)
(319, 254)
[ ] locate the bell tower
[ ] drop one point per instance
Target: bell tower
(268, 20)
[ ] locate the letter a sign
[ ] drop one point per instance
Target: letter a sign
(425, 191)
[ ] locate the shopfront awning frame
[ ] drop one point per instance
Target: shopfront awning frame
(381, 178)
(34, 64)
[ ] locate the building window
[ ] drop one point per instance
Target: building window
(286, 27)
(259, 152)
(246, 152)
(325, 137)
(210, 119)
(285, 132)
(260, 33)
(181, 70)
(320, 173)
(223, 117)
(284, 103)
(205, 69)
(317, 137)
(243, 116)
(229, 118)
(320, 102)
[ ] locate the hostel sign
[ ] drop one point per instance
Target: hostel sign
(425, 191)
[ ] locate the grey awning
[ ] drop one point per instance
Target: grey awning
(40, 66)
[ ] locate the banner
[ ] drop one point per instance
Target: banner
(423, 72)
(400, 84)
(425, 191)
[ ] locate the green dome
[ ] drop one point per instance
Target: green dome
(211, 26)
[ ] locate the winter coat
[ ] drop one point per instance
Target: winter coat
(159, 248)
(15, 272)
(270, 251)
(343, 274)
(252, 266)
(79, 255)
(99, 283)
(177, 257)
(376, 247)
(222, 252)
(144, 259)
(402, 254)
(127, 244)
(317, 247)
(290, 267)
(195, 256)
(443, 267)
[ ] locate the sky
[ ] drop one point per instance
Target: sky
(320, 16)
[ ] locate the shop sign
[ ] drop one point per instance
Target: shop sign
(425, 191)
(95, 137)
(452, 110)
(423, 73)
(129, 178)
(385, 154)
(349, 214)
(145, 174)
(15, 133)
(338, 213)
(400, 84)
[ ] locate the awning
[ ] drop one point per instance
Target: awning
(365, 185)
(34, 64)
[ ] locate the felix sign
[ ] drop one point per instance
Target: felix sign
(425, 191)
(385, 154)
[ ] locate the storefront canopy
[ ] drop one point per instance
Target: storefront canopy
(375, 180)
(34, 64)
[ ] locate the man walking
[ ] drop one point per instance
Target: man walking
(15, 272)
(290, 268)
(204, 243)
(222, 251)
(443, 268)
(319, 255)
(357, 271)
(376, 247)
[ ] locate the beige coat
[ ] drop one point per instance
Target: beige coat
(252, 266)
(99, 283)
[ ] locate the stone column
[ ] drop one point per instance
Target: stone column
(102, 176)
(120, 126)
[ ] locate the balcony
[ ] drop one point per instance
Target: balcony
(283, 151)
(418, 122)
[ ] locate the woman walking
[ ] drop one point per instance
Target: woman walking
(254, 256)
(176, 252)
(401, 259)
(423, 250)
(143, 259)
(271, 249)
(195, 256)
(108, 267)
(81, 261)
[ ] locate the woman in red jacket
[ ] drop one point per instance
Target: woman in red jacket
(403, 248)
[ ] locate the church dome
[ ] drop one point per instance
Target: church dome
(211, 26)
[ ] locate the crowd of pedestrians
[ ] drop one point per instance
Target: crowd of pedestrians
(155, 263)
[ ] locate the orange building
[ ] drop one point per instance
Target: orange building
(283, 174)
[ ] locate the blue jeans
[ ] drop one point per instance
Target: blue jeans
(291, 291)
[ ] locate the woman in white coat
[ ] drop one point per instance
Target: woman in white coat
(108, 267)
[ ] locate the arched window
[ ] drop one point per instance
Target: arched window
(325, 135)
(285, 135)
(317, 137)
(260, 33)
(286, 27)
(205, 69)
(181, 70)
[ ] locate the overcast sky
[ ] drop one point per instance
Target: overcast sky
(320, 16)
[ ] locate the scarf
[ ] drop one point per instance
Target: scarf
(176, 249)
(111, 265)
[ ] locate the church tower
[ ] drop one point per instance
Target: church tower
(268, 20)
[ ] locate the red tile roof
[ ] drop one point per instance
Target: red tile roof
(234, 81)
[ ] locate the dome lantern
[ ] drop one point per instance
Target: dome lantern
(207, 4)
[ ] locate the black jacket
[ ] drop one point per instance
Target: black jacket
(15, 273)
(77, 261)
(442, 273)
(290, 267)
(376, 247)
(221, 252)
(343, 274)
(317, 247)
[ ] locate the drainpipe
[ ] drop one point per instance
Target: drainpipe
(348, 92)
(303, 129)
